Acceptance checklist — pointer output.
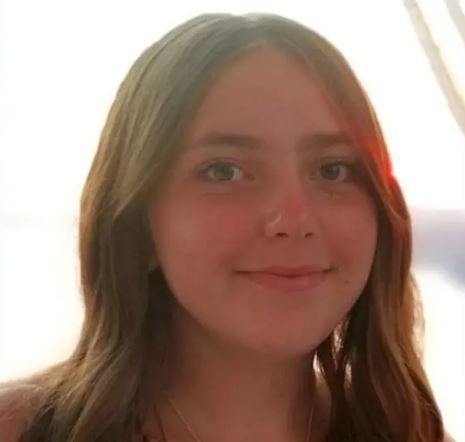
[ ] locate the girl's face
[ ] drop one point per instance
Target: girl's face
(263, 229)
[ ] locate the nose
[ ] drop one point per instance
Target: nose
(291, 213)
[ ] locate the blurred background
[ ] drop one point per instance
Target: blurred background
(60, 65)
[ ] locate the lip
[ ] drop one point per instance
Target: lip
(290, 271)
(287, 279)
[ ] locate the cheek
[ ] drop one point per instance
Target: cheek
(207, 226)
(223, 221)
(196, 242)
(350, 231)
(350, 235)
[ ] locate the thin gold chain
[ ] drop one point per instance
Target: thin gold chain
(197, 439)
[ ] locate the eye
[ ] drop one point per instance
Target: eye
(221, 171)
(338, 171)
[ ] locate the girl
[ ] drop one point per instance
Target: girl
(245, 257)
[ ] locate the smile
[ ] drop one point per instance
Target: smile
(286, 283)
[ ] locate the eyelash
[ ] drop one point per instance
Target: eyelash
(352, 168)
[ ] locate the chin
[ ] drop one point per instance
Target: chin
(283, 347)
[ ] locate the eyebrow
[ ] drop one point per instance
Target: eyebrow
(321, 139)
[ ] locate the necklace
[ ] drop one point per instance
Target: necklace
(197, 439)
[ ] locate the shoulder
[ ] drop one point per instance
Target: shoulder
(15, 402)
(448, 438)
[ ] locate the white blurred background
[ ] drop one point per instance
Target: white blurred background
(60, 65)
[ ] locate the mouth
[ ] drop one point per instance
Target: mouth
(279, 282)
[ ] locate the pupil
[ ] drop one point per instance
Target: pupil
(224, 172)
(331, 171)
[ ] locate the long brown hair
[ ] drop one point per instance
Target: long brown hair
(371, 363)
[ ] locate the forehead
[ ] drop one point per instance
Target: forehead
(265, 93)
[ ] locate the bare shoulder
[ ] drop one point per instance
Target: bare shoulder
(448, 438)
(15, 401)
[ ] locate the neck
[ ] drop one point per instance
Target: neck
(231, 393)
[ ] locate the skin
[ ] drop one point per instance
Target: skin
(241, 350)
